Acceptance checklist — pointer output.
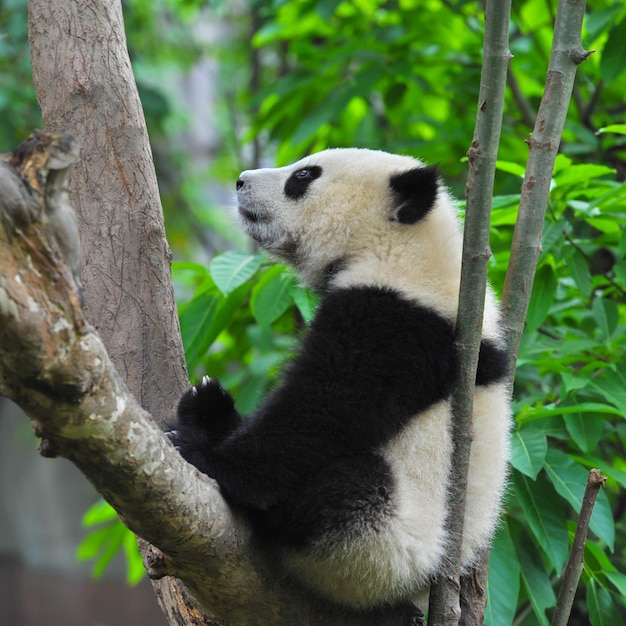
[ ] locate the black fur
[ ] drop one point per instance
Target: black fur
(493, 363)
(415, 192)
(305, 463)
(206, 415)
(298, 183)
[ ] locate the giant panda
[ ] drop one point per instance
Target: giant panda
(344, 468)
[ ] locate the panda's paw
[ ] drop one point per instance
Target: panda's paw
(195, 450)
(205, 402)
(206, 414)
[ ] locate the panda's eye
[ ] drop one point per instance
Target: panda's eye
(299, 181)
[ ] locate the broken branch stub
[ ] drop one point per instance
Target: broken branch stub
(40, 259)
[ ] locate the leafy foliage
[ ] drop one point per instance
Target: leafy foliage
(404, 77)
(569, 393)
(250, 310)
(18, 105)
(108, 537)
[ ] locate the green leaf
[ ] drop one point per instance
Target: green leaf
(600, 19)
(110, 548)
(612, 386)
(545, 517)
(555, 410)
(613, 58)
(99, 513)
(197, 325)
(574, 381)
(620, 271)
(272, 295)
(306, 300)
(606, 315)
(204, 318)
(91, 545)
(552, 234)
(570, 481)
(589, 462)
(335, 102)
(101, 546)
(576, 174)
(596, 560)
(536, 582)
(602, 609)
(618, 580)
(585, 429)
(251, 392)
(395, 94)
(135, 571)
(579, 269)
(504, 210)
(511, 168)
(542, 297)
(189, 266)
(503, 581)
(619, 129)
(528, 451)
(232, 269)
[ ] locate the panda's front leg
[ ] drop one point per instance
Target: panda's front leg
(206, 416)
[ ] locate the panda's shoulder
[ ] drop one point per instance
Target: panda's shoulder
(381, 316)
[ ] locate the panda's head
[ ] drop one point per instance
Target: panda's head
(350, 214)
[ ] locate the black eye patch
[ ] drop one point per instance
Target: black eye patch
(299, 181)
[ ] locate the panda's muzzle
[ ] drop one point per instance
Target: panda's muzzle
(250, 210)
(248, 216)
(253, 213)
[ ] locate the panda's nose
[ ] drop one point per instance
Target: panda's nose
(240, 183)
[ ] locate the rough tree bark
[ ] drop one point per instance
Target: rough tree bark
(85, 85)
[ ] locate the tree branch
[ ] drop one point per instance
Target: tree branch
(565, 56)
(444, 603)
(55, 366)
(575, 563)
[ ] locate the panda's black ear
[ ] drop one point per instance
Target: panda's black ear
(414, 193)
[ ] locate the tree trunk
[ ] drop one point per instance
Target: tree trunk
(85, 87)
